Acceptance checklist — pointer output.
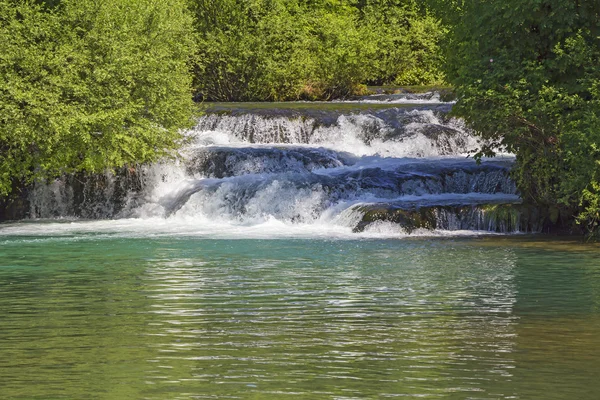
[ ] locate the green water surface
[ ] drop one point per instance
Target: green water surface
(86, 317)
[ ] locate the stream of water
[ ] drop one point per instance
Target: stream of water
(308, 169)
(299, 250)
(177, 317)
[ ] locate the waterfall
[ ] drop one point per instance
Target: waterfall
(359, 169)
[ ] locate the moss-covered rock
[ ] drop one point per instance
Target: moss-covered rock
(499, 218)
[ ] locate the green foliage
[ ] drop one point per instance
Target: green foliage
(527, 76)
(248, 50)
(292, 49)
(504, 217)
(88, 85)
(406, 43)
(341, 54)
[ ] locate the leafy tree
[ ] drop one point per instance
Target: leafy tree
(342, 57)
(291, 49)
(88, 85)
(527, 76)
(406, 41)
(249, 50)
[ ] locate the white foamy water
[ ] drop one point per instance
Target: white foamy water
(254, 176)
(401, 98)
(422, 133)
(205, 228)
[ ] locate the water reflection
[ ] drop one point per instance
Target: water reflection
(333, 322)
(188, 319)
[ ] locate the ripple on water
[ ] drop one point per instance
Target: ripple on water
(194, 318)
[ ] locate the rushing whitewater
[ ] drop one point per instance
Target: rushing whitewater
(380, 172)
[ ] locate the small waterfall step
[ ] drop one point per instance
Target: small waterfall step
(475, 212)
(392, 132)
(349, 164)
(235, 181)
(404, 97)
(221, 161)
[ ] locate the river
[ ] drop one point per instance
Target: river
(298, 251)
(109, 316)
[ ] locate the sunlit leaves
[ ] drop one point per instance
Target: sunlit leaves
(87, 85)
(527, 74)
(291, 49)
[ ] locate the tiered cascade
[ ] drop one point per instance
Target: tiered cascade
(364, 166)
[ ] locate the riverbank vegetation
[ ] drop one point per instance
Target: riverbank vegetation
(277, 50)
(88, 85)
(527, 78)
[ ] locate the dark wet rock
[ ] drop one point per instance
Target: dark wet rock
(221, 162)
(485, 215)
(14, 207)
(89, 196)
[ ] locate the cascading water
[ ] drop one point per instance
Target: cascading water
(389, 170)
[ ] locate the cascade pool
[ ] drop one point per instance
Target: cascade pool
(114, 316)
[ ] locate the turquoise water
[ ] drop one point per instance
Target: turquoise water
(106, 316)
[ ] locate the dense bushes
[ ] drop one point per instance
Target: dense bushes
(291, 49)
(88, 85)
(527, 77)
(405, 40)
